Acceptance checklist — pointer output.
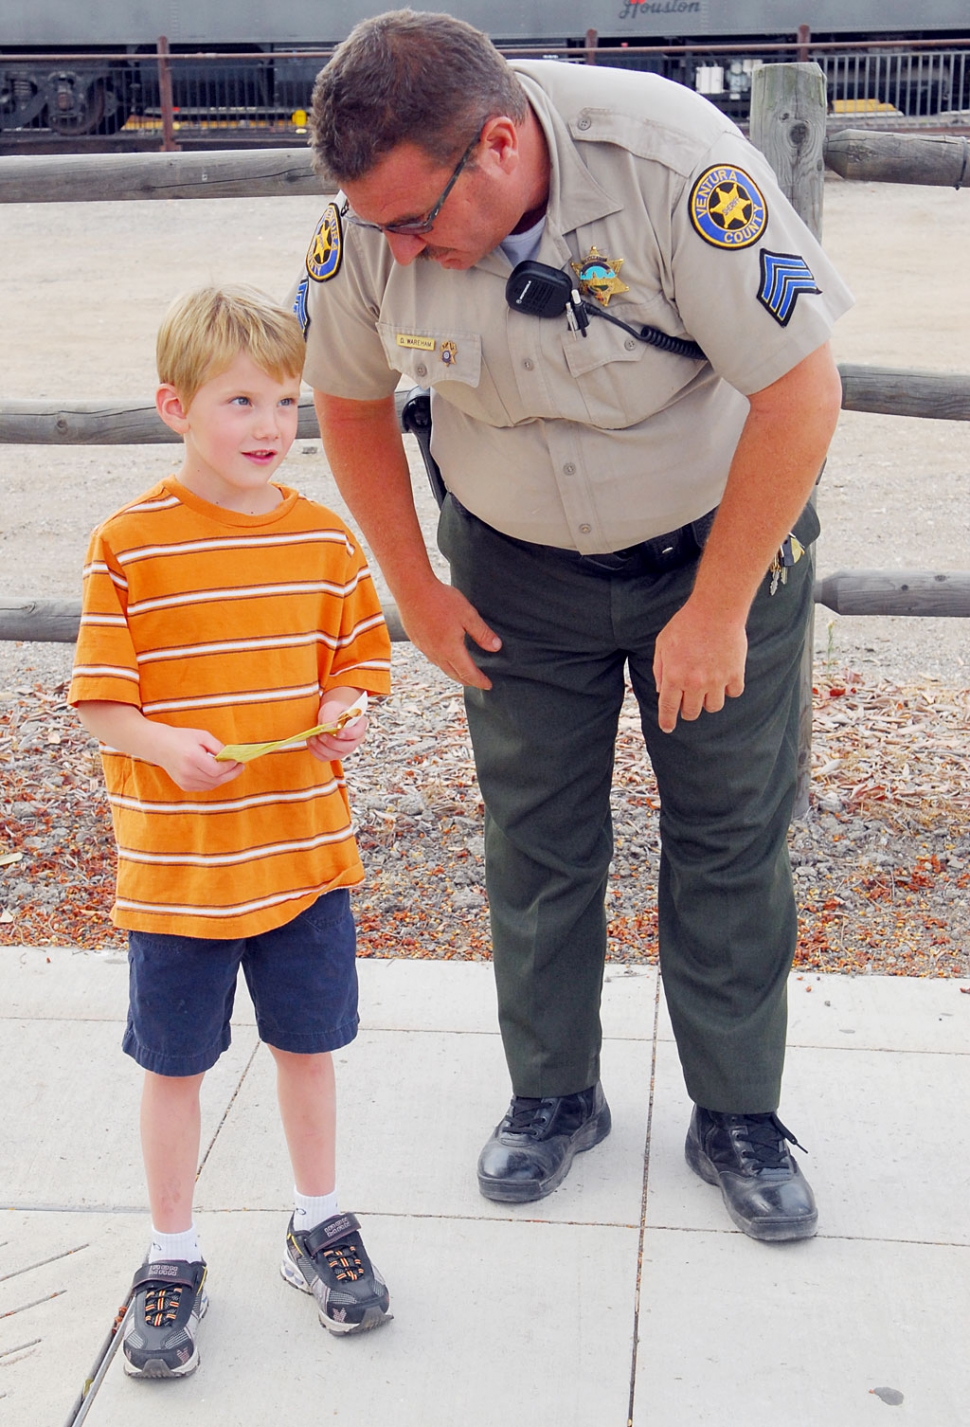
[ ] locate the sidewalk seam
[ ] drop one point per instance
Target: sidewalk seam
(643, 1207)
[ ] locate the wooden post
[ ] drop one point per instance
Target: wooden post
(788, 126)
(804, 39)
(169, 145)
(592, 40)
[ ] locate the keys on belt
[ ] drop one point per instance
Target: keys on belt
(789, 553)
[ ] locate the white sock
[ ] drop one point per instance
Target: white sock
(309, 1210)
(183, 1247)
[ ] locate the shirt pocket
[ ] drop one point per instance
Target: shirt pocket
(622, 379)
(448, 361)
(429, 358)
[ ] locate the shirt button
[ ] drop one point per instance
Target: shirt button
(585, 529)
(630, 344)
(569, 469)
(421, 369)
(528, 364)
(584, 122)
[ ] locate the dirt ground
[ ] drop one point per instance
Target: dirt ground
(83, 287)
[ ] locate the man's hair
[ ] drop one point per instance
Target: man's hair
(407, 76)
(204, 331)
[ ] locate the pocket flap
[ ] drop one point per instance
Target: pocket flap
(432, 357)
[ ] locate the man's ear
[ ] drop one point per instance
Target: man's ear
(169, 406)
(500, 140)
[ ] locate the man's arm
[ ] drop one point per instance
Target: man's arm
(700, 654)
(366, 454)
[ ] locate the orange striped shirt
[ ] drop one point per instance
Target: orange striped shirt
(208, 618)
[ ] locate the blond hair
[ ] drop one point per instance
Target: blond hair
(204, 331)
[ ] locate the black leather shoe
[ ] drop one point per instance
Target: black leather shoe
(530, 1152)
(765, 1192)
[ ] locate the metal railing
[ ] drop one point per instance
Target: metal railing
(257, 95)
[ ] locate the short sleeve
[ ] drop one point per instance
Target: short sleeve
(337, 299)
(105, 664)
(359, 652)
(752, 285)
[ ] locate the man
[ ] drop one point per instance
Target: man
(611, 505)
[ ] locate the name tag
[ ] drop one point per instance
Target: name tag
(423, 344)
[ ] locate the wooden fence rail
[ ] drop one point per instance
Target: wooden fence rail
(58, 621)
(273, 173)
(925, 593)
(891, 391)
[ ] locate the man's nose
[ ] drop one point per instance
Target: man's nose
(405, 247)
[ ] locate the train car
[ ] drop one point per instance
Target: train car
(81, 69)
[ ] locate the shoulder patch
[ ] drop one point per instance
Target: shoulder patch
(727, 208)
(784, 276)
(326, 248)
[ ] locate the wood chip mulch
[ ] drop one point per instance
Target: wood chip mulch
(881, 862)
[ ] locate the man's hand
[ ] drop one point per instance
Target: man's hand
(698, 662)
(363, 445)
(188, 757)
(437, 620)
(700, 655)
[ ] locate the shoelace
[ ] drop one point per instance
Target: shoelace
(162, 1305)
(764, 1139)
(344, 1262)
(524, 1111)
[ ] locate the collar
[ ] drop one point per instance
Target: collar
(575, 197)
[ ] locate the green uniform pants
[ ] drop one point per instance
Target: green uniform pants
(544, 738)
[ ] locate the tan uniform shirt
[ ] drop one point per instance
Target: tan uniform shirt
(591, 443)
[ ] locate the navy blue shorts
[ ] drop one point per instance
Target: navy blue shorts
(302, 978)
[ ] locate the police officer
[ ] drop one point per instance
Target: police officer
(611, 506)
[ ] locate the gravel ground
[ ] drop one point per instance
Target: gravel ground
(881, 860)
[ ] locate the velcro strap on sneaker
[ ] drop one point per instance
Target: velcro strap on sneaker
(331, 1231)
(171, 1274)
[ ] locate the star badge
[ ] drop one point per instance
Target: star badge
(598, 276)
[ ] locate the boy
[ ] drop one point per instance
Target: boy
(221, 608)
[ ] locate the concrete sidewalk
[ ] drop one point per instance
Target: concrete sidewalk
(625, 1296)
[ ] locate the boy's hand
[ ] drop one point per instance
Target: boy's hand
(187, 755)
(330, 746)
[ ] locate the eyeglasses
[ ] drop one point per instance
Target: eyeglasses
(414, 227)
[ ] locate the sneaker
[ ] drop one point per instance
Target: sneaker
(169, 1300)
(529, 1153)
(747, 1156)
(330, 1262)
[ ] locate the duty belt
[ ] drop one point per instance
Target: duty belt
(650, 557)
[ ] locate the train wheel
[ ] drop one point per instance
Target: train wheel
(86, 112)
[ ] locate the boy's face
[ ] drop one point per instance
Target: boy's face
(237, 429)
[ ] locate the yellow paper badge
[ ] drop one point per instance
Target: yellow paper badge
(246, 752)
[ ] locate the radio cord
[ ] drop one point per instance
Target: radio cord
(678, 346)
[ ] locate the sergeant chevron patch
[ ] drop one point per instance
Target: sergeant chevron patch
(783, 277)
(300, 307)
